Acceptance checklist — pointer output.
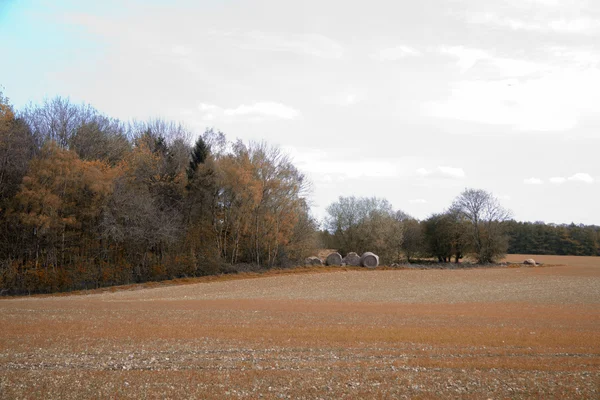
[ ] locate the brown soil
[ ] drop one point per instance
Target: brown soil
(574, 261)
(479, 333)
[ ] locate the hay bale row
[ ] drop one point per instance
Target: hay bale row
(313, 261)
(334, 259)
(352, 259)
(369, 260)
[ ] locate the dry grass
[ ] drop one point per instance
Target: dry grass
(479, 333)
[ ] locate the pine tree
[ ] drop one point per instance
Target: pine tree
(199, 154)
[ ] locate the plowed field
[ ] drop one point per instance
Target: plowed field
(477, 333)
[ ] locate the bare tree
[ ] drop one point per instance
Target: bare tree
(366, 224)
(57, 119)
(155, 128)
(100, 139)
(484, 215)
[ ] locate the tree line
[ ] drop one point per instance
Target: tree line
(563, 239)
(475, 225)
(89, 201)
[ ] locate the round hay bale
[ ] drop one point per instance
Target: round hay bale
(313, 261)
(529, 261)
(334, 259)
(369, 260)
(352, 259)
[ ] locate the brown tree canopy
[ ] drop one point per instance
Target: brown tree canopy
(88, 201)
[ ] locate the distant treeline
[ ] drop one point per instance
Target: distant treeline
(474, 225)
(361, 224)
(541, 238)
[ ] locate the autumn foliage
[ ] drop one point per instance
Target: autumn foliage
(87, 201)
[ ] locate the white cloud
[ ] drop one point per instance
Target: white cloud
(581, 177)
(488, 18)
(577, 25)
(255, 112)
(533, 181)
(546, 3)
(582, 57)
(305, 44)
(355, 169)
(207, 107)
(554, 101)
(443, 172)
(511, 67)
(267, 109)
(558, 180)
(325, 168)
(578, 177)
(349, 99)
(467, 57)
(181, 50)
(418, 201)
(343, 99)
(452, 172)
(395, 53)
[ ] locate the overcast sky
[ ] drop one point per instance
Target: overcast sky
(410, 101)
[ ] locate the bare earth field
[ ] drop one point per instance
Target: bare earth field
(573, 261)
(475, 333)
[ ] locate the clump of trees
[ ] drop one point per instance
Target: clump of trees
(365, 224)
(483, 218)
(473, 225)
(446, 236)
(89, 201)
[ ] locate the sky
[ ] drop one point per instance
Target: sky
(408, 101)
